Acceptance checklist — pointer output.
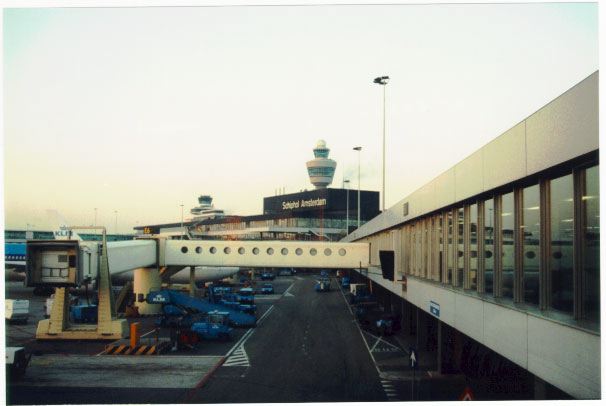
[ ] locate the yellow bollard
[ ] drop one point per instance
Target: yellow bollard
(134, 334)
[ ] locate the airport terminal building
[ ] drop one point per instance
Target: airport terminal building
(320, 214)
(501, 253)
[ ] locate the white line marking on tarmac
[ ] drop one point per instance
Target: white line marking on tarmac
(374, 361)
(249, 333)
(289, 288)
(376, 342)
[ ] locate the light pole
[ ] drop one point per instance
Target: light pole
(181, 222)
(116, 222)
(383, 80)
(95, 224)
(347, 209)
(359, 153)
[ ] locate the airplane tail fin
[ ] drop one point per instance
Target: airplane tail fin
(60, 227)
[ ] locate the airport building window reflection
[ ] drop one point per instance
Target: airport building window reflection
(591, 245)
(426, 247)
(450, 253)
(473, 246)
(531, 232)
(507, 245)
(459, 253)
(489, 246)
(441, 248)
(560, 258)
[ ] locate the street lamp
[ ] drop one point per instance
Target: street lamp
(383, 80)
(181, 222)
(95, 224)
(347, 209)
(359, 153)
(116, 222)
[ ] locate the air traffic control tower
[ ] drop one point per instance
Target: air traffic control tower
(321, 169)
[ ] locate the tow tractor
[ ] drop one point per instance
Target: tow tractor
(215, 326)
(323, 284)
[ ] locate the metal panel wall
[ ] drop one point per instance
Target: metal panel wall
(505, 158)
(565, 128)
(469, 176)
(268, 254)
(128, 255)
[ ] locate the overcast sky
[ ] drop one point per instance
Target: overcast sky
(140, 110)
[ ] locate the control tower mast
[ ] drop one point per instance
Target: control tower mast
(321, 169)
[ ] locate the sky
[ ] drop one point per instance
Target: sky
(137, 111)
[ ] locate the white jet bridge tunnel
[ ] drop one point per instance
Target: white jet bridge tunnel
(67, 263)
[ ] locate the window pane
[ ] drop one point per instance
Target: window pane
(441, 244)
(473, 245)
(531, 231)
(425, 247)
(450, 253)
(560, 259)
(460, 248)
(488, 245)
(591, 245)
(507, 247)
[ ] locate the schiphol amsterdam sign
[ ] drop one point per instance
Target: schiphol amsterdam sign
(302, 203)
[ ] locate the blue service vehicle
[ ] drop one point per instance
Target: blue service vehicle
(215, 326)
(286, 272)
(176, 304)
(345, 282)
(267, 289)
(268, 276)
(84, 313)
(323, 284)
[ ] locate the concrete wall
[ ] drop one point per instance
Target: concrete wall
(566, 357)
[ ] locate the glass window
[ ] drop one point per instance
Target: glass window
(425, 247)
(450, 253)
(460, 257)
(591, 245)
(560, 258)
(507, 245)
(441, 247)
(531, 235)
(473, 246)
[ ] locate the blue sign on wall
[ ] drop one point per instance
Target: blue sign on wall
(434, 308)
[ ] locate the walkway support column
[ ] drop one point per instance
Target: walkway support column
(145, 281)
(192, 281)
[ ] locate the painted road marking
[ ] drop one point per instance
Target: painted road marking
(239, 358)
(390, 392)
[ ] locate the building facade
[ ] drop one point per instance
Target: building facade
(505, 246)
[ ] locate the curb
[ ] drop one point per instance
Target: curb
(204, 380)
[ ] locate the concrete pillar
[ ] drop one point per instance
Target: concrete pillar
(419, 335)
(440, 344)
(540, 389)
(192, 281)
(146, 280)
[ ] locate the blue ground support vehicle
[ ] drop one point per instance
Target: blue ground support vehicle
(361, 294)
(323, 285)
(183, 302)
(267, 289)
(267, 276)
(215, 326)
(84, 313)
(345, 282)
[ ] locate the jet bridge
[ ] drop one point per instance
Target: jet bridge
(70, 263)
